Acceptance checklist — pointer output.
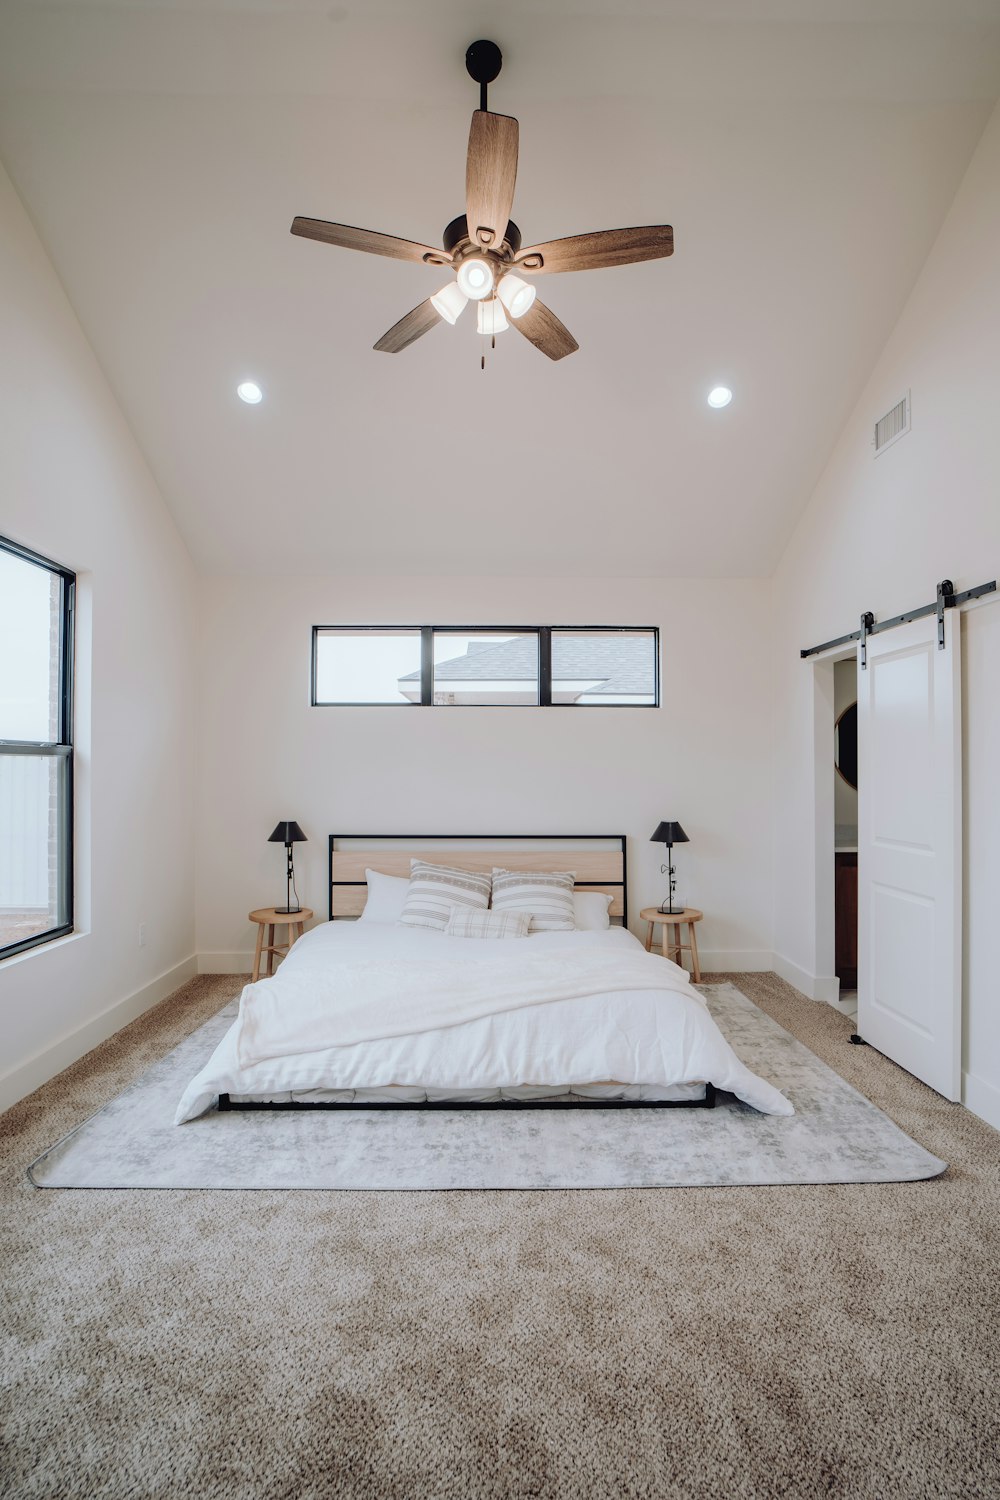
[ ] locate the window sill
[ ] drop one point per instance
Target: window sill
(49, 946)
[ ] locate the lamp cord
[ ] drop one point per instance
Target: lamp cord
(668, 870)
(290, 882)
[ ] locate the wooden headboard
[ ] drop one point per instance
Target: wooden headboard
(598, 860)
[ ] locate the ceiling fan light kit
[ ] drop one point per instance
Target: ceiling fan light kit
(450, 301)
(475, 278)
(516, 295)
(491, 319)
(483, 245)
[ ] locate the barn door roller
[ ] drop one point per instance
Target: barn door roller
(945, 599)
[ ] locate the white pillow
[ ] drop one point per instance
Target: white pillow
(547, 895)
(466, 923)
(386, 896)
(434, 890)
(590, 910)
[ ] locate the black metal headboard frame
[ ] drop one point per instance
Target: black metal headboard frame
(455, 838)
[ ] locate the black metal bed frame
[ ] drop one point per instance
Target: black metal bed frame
(482, 838)
(227, 1104)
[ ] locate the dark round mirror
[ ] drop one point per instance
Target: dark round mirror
(845, 745)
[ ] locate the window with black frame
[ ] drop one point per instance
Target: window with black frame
(36, 749)
(447, 666)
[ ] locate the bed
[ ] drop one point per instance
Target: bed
(370, 1014)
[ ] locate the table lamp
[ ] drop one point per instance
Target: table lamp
(669, 834)
(288, 833)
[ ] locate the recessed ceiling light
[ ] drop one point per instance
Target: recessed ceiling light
(720, 396)
(250, 392)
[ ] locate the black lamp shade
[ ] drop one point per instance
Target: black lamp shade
(288, 833)
(669, 834)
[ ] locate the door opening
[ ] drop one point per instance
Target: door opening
(844, 752)
(908, 858)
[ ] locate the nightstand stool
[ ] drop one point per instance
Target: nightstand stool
(670, 939)
(269, 918)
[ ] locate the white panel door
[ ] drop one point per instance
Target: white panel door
(909, 851)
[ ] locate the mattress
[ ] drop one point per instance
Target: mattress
(636, 1043)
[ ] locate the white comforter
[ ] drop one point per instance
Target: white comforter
(554, 1009)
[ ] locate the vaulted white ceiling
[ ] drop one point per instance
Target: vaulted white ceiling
(805, 151)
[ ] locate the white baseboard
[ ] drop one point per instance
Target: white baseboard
(736, 960)
(979, 1096)
(226, 963)
(814, 986)
(30, 1075)
(982, 1098)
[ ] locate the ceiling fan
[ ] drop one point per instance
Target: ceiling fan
(483, 245)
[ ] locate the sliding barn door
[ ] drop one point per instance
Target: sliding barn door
(909, 851)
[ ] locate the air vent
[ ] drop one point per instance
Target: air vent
(894, 425)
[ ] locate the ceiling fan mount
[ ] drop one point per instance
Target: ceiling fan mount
(483, 61)
(483, 245)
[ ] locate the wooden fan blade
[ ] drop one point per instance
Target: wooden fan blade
(602, 247)
(409, 329)
(490, 172)
(541, 326)
(367, 239)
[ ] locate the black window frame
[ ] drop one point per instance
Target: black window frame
(61, 748)
(543, 633)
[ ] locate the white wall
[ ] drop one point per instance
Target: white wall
(74, 487)
(730, 753)
(879, 534)
(703, 758)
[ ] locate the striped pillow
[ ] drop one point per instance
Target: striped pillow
(548, 897)
(435, 890)
(466, 923)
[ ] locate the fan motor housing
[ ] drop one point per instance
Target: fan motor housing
(458, 231)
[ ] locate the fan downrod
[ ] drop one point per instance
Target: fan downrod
(483, 61)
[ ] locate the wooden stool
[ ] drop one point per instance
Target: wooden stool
(670, 941)
(269, 918)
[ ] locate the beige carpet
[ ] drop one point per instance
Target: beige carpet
(723, 1342)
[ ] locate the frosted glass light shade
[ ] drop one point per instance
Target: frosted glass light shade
(720, 395)
(516, 295)
(449, 301)
(491, 318)
(475, 278)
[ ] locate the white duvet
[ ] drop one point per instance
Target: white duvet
(359, 1007)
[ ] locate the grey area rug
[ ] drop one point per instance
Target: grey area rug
(836, 1135)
